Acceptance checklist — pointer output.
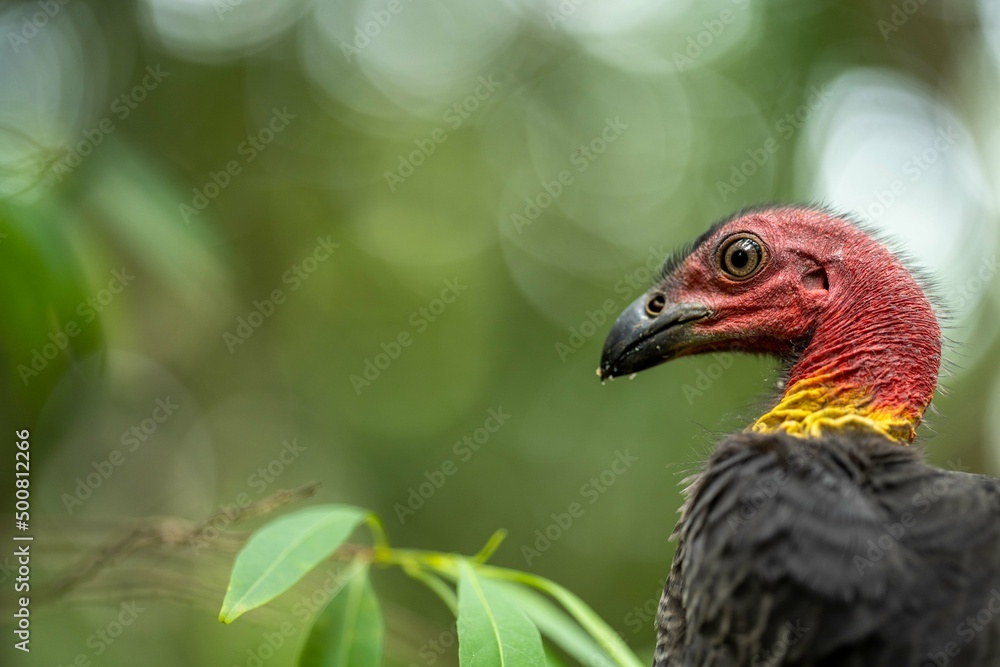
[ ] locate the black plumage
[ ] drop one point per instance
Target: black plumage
(818, 537)
(843, 551)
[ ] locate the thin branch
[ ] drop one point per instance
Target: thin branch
(166, 532)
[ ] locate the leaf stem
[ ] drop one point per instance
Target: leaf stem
(434, 583)
(609, 640)
(379, 537)
(416, 563)
(490, 547)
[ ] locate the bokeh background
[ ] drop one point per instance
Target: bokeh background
(249, 244)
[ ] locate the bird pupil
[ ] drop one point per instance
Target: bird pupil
(741, 257)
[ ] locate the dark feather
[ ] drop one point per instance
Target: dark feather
(844, 551)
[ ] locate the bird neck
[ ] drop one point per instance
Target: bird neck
(872, 363)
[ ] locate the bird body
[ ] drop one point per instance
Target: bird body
(846, 550)
(818, 536)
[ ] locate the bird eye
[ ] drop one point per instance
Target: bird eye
(742, 256)
(655, 305)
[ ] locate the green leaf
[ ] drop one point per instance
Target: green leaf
(278, 555)
(492, 629)
(611, 643)
(136, 208)
(588, 619)
(555, 624)
(44, 303)
(350, 631)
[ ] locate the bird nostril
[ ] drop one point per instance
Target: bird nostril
(655, 305)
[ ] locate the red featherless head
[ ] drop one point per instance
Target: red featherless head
(860, 336)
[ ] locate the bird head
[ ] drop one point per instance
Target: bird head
(858, 334)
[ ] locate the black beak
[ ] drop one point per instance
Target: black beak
(641, 340)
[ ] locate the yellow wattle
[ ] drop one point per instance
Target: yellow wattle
(815, 405)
